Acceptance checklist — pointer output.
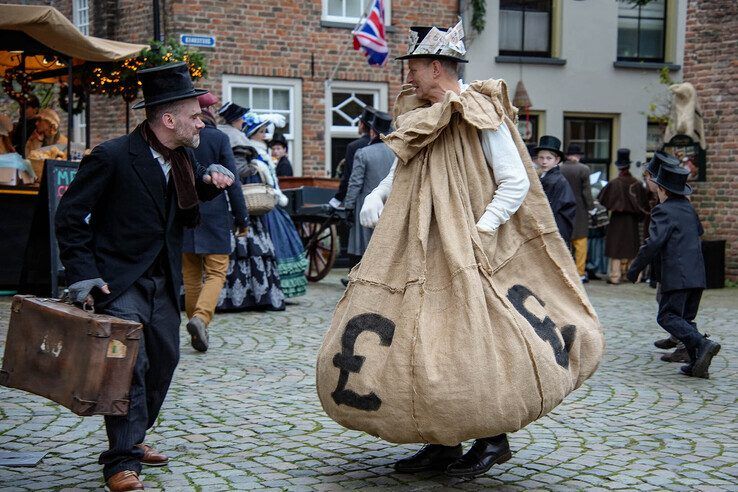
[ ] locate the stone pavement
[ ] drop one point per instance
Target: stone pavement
(245, 415)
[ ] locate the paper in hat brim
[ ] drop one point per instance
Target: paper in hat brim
(176, 97)
(435, 57)
(687, 190)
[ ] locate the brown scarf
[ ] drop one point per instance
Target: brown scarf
(182, 172)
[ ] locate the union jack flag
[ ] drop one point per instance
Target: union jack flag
(370, 38)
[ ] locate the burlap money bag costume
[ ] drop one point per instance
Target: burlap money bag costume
(445, 334)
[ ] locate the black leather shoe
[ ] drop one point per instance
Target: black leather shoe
(431, 457)
(483, 454)
(344, 281)
(679, 355)
(703, 354)
(666, 343)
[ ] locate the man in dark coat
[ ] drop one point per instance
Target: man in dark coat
(674, 236)
(577, 175)
(119, 227)
(625, 199)
(351, 149)
(557, 189)
(206, 248)
(279, 147)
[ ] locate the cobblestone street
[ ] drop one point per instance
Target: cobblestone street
(245, 415)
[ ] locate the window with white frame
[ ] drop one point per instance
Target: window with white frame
(350, 11)
(347, 101)
(81, 18)
(271, 95)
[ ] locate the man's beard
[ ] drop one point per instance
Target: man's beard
(185, 139)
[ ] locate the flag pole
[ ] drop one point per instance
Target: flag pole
(340, 57)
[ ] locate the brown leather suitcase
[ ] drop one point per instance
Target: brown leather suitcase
(81, 360)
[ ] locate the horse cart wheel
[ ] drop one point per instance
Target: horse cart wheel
(321, 248)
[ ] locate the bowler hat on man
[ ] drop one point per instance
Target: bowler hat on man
(278, 139)
(574, 149)
(673, 179)
(231, 111)
(623, 161)
(550, 143)
(366, 114)
(660, 159)
(166, 84)
(381, 122)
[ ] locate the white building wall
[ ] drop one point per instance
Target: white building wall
(588, 82)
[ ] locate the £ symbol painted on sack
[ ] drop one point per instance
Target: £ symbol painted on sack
(347, 362)
(545, 328)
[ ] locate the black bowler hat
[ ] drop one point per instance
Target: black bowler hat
(165, 84)
(381, 122)
(661, 159)
(444, 51)
(278, 138)
(574, 149)
(623, 161)
(673, 179)
(550, 143)
(366, 114)
(230, 112)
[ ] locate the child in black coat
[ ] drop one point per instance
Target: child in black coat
(674, 236)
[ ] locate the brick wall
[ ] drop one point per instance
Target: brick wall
(710, 65)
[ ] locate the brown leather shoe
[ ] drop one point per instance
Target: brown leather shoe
(152, 457)
(124, 481)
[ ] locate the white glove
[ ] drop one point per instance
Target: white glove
(488, 223)
(278, 119)
(282, 199)
(371, 210)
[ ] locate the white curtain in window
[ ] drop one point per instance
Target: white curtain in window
(536, 31)
(511, 27)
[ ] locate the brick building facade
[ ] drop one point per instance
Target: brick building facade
(272, 56)
(710, 65)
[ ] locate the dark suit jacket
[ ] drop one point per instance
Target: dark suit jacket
(562, 202)
(213, 234)
(284, 167)
(114, 220)
(351, 149)
(577, 175)
(674, 236)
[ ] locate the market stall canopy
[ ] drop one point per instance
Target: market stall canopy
(44, 34)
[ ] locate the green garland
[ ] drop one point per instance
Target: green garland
(478, 16)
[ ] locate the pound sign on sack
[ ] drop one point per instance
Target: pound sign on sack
(545, 328)
(347, 362)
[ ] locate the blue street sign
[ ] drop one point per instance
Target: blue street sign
(197, 40)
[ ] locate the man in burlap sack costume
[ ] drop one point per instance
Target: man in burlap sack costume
(465, 318)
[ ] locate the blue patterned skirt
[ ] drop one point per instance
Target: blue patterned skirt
(291, 260)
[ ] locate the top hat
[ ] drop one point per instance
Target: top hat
(660, 159)
(623, 161)
(366, 114)
(278, 139)
(381, 122)
(165, 84)
(550, 143)
(231, 111)
(436, 43)
(574, 149)
(673, 179)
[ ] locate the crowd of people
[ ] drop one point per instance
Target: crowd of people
(42, 129)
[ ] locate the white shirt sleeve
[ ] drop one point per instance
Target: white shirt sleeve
(509, 174)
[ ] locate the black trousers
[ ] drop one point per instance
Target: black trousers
(677, 310)
(147, 301)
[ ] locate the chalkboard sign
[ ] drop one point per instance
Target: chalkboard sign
(42, 266)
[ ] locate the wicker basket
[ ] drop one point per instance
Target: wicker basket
(260, 197)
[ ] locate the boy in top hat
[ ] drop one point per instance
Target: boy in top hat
(555, 185)
(351, 149)
(577, 175)
(625, 199)
(371, 165)
(233, 115)
(674, 237)
(119, 227)
(278, 146)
